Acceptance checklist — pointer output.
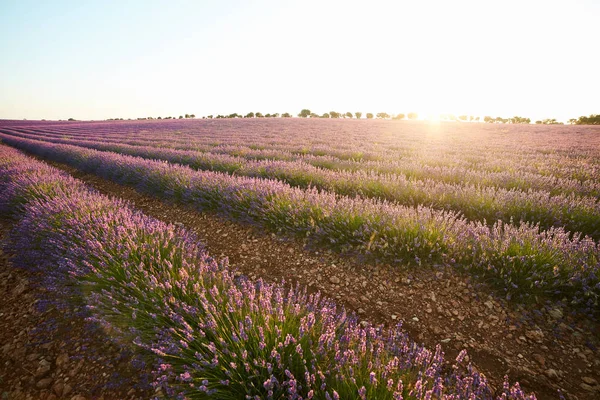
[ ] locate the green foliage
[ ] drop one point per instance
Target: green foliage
(304, 113)
(520, 120)
(369, 115)
(358, 114)
(383, 115)
(593, 119)
(348, 115)
(413, 115)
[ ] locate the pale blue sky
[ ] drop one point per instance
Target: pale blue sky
(102, 59)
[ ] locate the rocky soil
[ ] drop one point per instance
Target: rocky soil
(547, 351)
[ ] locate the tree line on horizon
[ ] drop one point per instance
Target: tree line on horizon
(593, 119)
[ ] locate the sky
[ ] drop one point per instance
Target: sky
(127, 59)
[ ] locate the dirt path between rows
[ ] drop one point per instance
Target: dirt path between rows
(545, 351)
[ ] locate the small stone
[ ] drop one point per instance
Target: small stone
(364, 299)
(78, 397)
(589, 380)
(539, 359)
(335, 280)
(415, 319)
(62, 360)
(43, 369)
(445, 340)
(551, 373)
(394, 317)
(43, 383)
(520, 355)
(58, 388)
(489, 304)
(556, 313)
(361, 311)
(586, 387)
(67, 389)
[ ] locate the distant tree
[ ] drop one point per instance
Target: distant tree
(187, 115)
(477, 119)
(304, 113)
(348, 114)
(538, 122)
(286, 115)
(488, 119)
(593, 119)
(234, 115)
(159, 118)
(358, 115)
(192, 116)
(71, 119)
(325, 115)
(181, 117)
(369, 115)
(462, 117)
(572, 121)
(413, 115)
(275, 115)
(334, 114)
(383, 115)
(314, 115)
(249, 115)
(399, 116)
(519, 120)
(471, 118)
(259, 115)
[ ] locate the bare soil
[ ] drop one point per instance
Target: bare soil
(545, 350)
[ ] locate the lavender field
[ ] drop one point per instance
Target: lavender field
(514, 207)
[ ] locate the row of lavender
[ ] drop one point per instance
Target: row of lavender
(522, 261)
(582, 182)
(476, 203)
(472, 149)
(372, 138)
(207, 332)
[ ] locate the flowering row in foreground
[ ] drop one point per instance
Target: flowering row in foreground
(478, 203)
(207, 332)
(522, 261)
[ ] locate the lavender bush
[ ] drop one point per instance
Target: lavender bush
(208, 332)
